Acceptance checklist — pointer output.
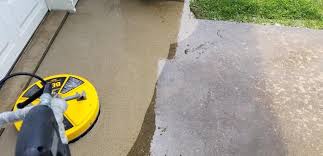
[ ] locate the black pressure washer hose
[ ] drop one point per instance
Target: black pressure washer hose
(34, 96)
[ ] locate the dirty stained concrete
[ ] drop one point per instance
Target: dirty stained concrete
(244, 90)
(116, 44)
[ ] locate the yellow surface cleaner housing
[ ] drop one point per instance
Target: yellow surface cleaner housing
(81, 114)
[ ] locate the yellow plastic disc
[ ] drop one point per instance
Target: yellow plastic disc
(80, 115)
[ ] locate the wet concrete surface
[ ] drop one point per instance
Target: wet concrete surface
(241, 89)
(117, 45)
(142, 144)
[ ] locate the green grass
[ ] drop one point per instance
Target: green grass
(300, 13)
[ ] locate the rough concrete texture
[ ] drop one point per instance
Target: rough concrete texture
(241, 89)
(116, 44)
(28, 62)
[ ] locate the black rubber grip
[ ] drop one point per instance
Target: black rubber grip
(30, 99)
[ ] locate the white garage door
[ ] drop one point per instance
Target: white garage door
(18, 21)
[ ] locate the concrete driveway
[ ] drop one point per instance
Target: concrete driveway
(117, 45)
(222, 88)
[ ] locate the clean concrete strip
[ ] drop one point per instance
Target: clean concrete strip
(31, 57)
